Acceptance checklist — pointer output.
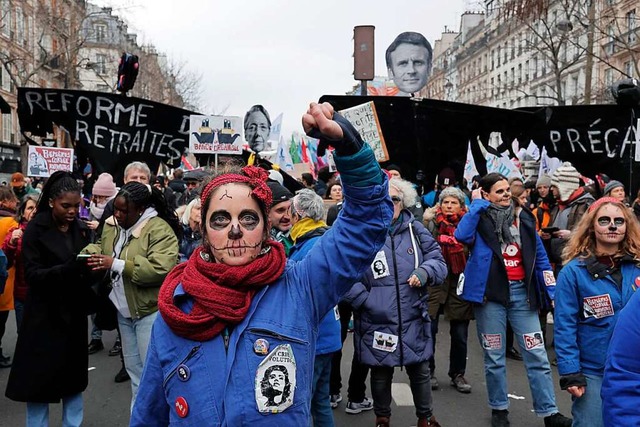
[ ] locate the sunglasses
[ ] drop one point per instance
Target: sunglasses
(395, 199)
(604, 221)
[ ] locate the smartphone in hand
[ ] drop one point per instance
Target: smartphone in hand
(83, 257)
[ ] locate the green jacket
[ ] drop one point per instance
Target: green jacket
(149, 255)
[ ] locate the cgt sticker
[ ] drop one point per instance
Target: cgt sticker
(597, 306)
(492, 341)
(533, 340)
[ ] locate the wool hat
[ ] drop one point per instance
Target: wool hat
(447, 177)
(452, 192)
(544, 180)
(17, 180)
(104, 186)
(567, 179)
(279, 192)
(611, 185)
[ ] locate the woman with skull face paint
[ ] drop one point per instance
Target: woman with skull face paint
(237, 307)
(600, 276)
(138, 247)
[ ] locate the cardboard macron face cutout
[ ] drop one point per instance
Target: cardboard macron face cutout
(409, 58)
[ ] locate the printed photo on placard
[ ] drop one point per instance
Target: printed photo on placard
(409, 58)
(275, 382)
(43, 161)
(215, 134)
(257, 127)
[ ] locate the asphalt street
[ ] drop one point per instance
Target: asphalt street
(106, 403)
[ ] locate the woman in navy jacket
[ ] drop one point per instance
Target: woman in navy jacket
(392, 325)
(600, 276)
(508, 276)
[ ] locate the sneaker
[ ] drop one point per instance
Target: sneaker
(514, 354)
(95, 346)
(335, 399)
(461, 384)
(557, 420)
(116, 349)
(357, 407)
(500, 418)
(5, 361)
(122, 376)
(434, 383)
(428, 422)
(382, 421)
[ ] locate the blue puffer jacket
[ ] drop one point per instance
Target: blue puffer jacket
(329, 329)
(190, 241)
(588, 302)
(620, 386)
(391, 320)
(193, 383)
(485, 273)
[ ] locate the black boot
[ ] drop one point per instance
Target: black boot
(95, 346)
(500, 418)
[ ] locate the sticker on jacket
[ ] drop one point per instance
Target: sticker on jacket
(275, 382)
(533, 340)
(336, 313)
(492, 341)
(549, 278)
(597, 306)
(379, 266)
(385, 342)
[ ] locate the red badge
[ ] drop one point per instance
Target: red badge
(182, 408)
(638, 281)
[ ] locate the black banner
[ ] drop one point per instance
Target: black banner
(112, 130)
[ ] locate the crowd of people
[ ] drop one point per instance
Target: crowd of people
(232, 295)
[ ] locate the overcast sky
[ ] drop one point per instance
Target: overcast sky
(278, 53)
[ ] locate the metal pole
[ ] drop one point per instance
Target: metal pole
(216, 162)
(363, 88)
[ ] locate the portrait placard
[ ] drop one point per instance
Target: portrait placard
(43, 161)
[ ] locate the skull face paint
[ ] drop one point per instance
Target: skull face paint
(235, 228)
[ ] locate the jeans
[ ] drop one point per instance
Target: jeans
(96, 334)
(320, 400)
(491, 319)
(419, 380)
(19, 308)
(135, 335)
(72, 412)
(459, 332)
(359, 372)
(587, 409)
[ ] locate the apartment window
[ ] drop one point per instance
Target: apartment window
(610, 46)
(20, 36)
(513, 48)
(5, 80)
(101, 64)
(519, 73)
(499, 56)
(628, 68)
(526, 71)
(5, 17)
(493, 59)
(608, 76)
(101, 32)
(7, 127)
(506, 52)
(493, 83)
(575, 85)
(631, 26)
(103, 88)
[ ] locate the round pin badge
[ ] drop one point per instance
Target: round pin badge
(410, 251)
(261, 346)
(638, 281)
(184, 373)
(182, 407)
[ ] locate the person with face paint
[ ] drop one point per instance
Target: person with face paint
(138, 247)
(237, 308)
(51, 361)
(600, 275)
(508, 277)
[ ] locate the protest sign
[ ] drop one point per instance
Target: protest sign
(43, 161)
(364, 118)
(215, 134)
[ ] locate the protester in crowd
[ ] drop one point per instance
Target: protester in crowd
(416, 209)
(504, 246)
(597, 281)
(280, 215)
(138, 247)
(20, 186)
(334, 192)
(615, 189)
(177, 184)
(224, 336)
(319, 186)
(193, 180)
(445, 299)
(191, 234)
(572, 202)
(8, 205)
(620, 392)
(12, 248)
(307, 213)
(446, 178)
(160, 183)
(393, 292)
(51, 360)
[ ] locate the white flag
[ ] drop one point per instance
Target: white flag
(274, 134)
(470, 169)
(502, 165)
(533, 151)
(548, 164)
(283, 158)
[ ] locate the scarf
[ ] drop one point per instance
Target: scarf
(452, 250)
(221, 293)
(502, 218)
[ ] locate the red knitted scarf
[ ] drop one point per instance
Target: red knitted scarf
(452, 250)
(221, 293)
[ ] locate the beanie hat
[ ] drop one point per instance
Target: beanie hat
(567, 179)
(544, 180)
(17, 180)
(280, 193)
(393, 167)
(447, 177)
(452, 192)
(104, 186)
(611, 185)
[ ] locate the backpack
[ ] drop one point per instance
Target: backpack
(127, 72)
(3, 271)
